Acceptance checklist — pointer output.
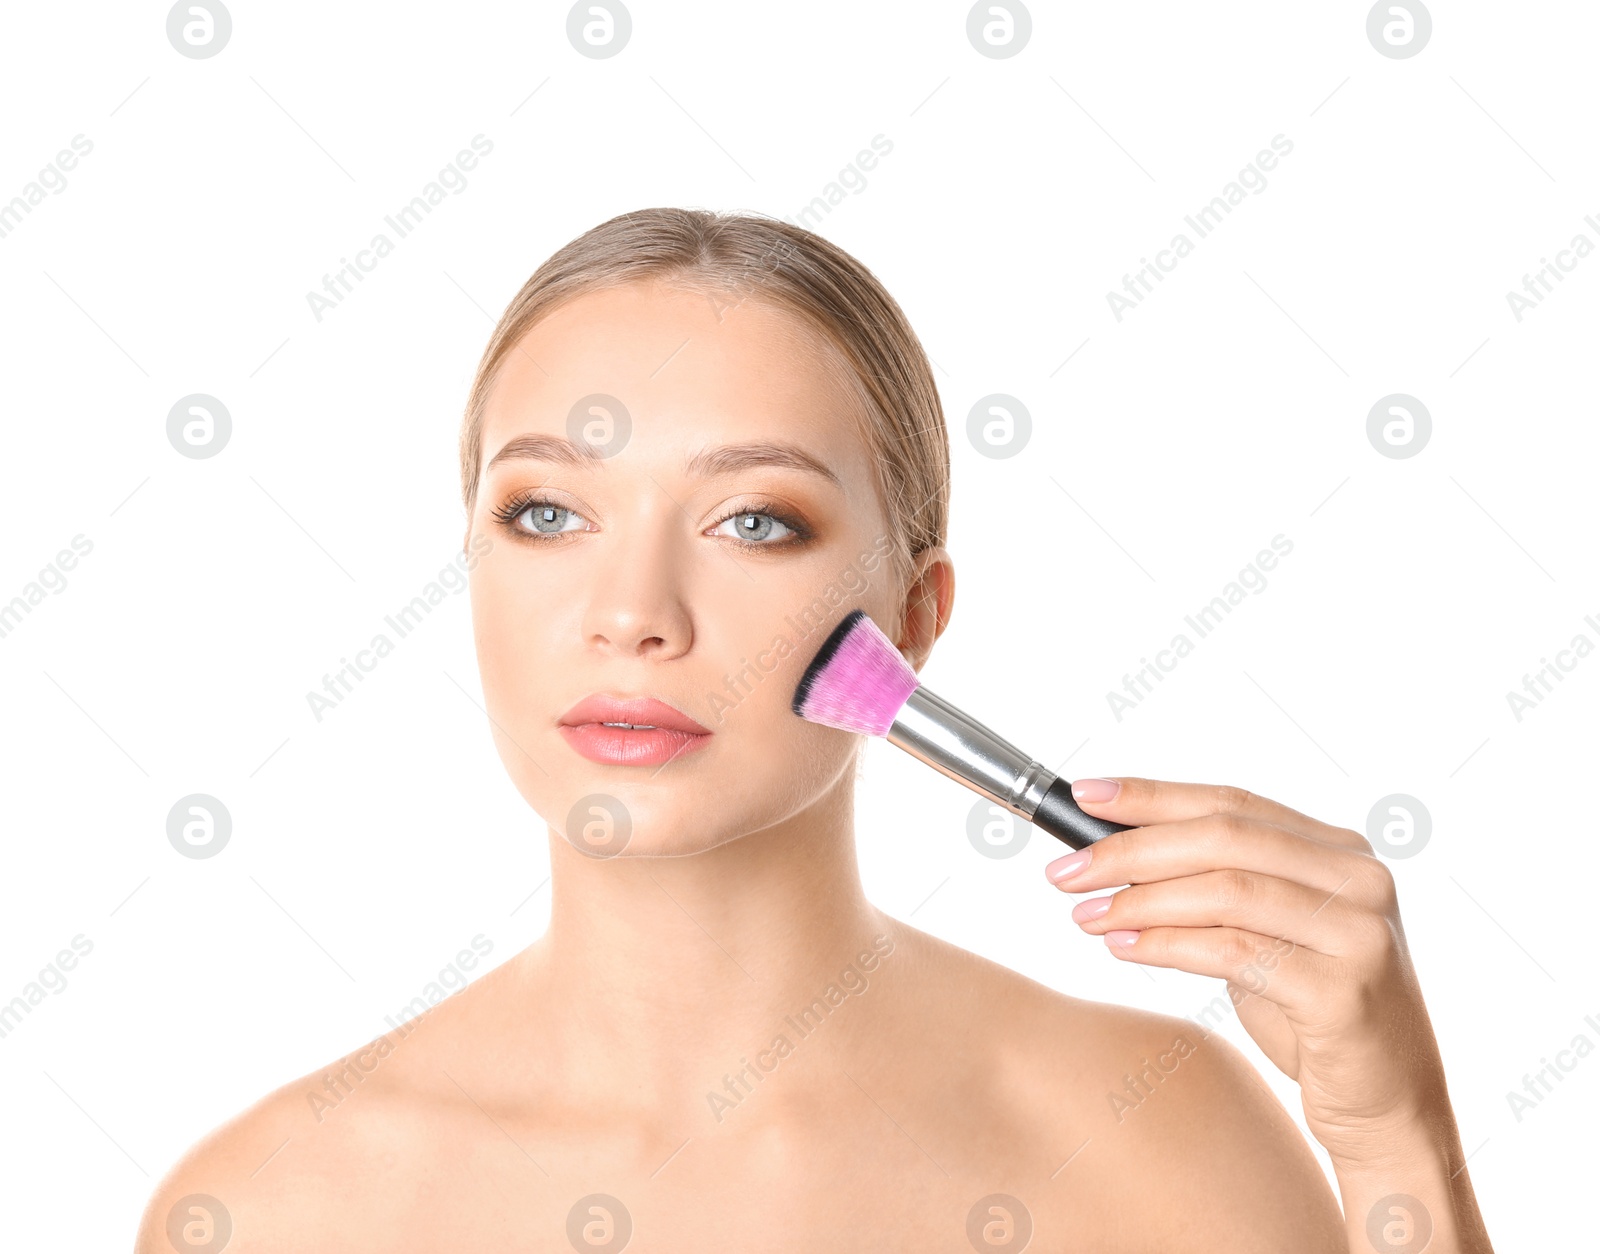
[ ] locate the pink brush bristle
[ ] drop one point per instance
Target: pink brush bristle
(857, 682)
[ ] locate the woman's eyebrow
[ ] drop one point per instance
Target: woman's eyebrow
(720, 459)
(723, 458)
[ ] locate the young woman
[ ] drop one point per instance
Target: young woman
(688, 432)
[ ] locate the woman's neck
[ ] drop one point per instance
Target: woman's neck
(660, 977)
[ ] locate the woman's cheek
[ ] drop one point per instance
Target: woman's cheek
(509, 635)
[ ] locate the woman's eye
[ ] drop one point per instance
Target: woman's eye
(550, 519)
(542, 518)
(754, 528)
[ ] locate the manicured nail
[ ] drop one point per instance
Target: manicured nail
(1065, 868)
(1094, 789)
(1121, 938)
(1091, 909)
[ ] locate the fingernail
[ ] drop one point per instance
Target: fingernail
(1121, 938)
(1091, 909)
(1065, 868)
(1094, 789)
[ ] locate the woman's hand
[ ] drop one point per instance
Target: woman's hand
(1302, 922)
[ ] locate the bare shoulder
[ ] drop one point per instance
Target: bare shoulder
(315, 1161)
(1149, 1115)
(1180, 1104)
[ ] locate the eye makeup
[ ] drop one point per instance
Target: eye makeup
(520, 503)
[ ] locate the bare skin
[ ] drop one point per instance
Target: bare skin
(634, 1050)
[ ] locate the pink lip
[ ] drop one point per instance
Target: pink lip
(669, 733)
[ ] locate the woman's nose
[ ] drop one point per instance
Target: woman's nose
(636, 605)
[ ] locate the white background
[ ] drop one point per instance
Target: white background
(1229, 407)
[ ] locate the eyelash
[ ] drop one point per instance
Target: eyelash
(518, 505)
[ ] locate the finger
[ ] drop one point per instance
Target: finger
(1190, 846)
(1271, 968)
(1264, 904)
(1140, 802)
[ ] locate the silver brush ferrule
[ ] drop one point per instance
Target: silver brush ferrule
(954, 744)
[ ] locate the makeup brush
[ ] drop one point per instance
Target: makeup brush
(859, 682)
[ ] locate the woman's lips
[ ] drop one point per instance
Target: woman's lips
(656, 732)
(620, 746)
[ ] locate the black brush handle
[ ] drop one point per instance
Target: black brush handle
(1059, 815)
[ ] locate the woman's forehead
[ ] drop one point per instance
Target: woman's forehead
(681, 370)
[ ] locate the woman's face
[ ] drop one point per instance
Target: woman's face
(674, 504)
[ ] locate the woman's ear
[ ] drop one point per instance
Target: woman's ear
(929, 598)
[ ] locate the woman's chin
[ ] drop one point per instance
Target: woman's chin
(610, 819)
(666, 841)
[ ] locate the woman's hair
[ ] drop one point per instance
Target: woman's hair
(736, 256)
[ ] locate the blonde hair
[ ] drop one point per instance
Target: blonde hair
(744, 256)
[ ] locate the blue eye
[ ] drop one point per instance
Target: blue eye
(751, 528)
(756, 528)
(550, 519)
